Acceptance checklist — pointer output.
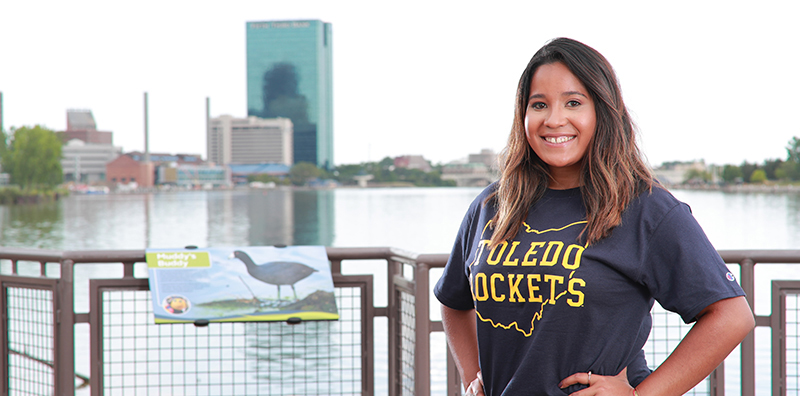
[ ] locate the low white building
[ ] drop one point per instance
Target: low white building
(673, 173)
(86, 163)
(250, 140)
(479, 170)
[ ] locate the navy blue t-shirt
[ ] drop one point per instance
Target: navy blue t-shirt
(547, 306)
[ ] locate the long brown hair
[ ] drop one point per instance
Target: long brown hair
(612, 171)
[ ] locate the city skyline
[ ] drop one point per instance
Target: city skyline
(702, 80)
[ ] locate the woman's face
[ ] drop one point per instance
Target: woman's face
(559, 122)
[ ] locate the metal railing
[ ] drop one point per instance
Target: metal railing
(129, 354)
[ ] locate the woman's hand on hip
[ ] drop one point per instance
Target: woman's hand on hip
(601, 385)
(475, 387)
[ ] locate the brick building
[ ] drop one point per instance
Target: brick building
(126, 170)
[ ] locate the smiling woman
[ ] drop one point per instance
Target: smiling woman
(565, 255)
(559, 123)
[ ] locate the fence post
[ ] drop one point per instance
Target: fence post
(749, 343)
(394, 268)
(422, 349)
(64, 348)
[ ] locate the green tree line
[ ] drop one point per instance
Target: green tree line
(771, 169)
(383, 171)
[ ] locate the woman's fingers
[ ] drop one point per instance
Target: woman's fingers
(475, 387)
(577, 378)
(598, 384)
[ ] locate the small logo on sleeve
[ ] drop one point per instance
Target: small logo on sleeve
(730, 277)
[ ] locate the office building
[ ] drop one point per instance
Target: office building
(86, 150)
(250, 140)
(83, 162)
(289, 75)
(81, 125)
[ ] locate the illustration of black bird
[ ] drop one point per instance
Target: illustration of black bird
(276, 272)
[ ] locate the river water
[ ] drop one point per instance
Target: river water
(422, 220)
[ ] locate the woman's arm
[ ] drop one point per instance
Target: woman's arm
(720, 327)
(462, 338)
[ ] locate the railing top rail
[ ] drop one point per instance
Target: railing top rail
(26, 254)
(364, 253)
(350, 253)
(434, 260)
(104, 256)
(776, 256)
(138, 255)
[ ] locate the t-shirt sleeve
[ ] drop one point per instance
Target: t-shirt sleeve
(453, 289)
(683, 271)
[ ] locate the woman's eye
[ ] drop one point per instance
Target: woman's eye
(573, 103)
(538, 105)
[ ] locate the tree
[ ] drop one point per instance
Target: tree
(793, 150)
(747, 170)
(386, 163)
(302, 172)
(771, 166)
(3, 144)
(33, 158)
(790, 169)
(695, 175)
(758, 176)
(730, 173)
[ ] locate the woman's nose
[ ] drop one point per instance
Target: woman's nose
(555, 118)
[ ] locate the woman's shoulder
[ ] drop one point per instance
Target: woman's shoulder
(484, 196)
(488, 192)
(654, 201)
(655, 204)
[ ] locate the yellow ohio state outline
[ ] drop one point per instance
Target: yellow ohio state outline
(538, 315)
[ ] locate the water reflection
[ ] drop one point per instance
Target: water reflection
(793, 209)
(298, 356)
(31, 225)
(290, 217)
(175, 219)
(314, 218)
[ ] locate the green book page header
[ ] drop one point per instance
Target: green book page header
(178, 260)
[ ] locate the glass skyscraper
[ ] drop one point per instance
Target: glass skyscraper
(289, 74)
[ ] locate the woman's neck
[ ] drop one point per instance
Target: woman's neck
(564, 178)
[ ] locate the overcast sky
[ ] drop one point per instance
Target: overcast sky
(714, 80)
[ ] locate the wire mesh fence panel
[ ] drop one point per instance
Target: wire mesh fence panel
(406, 346)
(791, 337)
(250, 358)
(30, 341)
(667, 332)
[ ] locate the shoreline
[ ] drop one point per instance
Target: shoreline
(739, 188)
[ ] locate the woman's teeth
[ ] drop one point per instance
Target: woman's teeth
(560, 139)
